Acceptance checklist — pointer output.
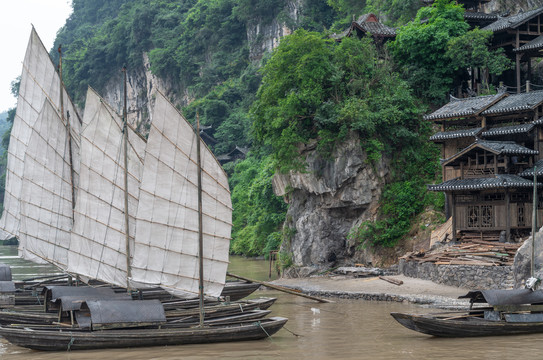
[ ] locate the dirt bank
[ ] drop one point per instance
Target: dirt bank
(412, 290)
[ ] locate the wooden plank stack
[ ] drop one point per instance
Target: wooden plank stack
(475, 252)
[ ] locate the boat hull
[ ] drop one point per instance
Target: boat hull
(80, 340)
(467, 327)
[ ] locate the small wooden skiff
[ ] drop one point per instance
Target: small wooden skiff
(65, 339)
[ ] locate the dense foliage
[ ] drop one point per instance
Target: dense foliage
(421, 47)
(258, 213)
(316, 88)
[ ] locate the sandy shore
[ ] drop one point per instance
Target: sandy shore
(412, 290)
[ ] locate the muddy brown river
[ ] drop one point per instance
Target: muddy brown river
(345, 329)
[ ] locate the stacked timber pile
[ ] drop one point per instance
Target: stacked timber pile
(474, 252)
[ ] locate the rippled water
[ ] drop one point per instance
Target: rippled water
(345, 329)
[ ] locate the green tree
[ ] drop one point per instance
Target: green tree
(420, 48)
(471, 50)
(258, 213)
(316, 89)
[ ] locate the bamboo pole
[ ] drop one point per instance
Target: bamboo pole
(68, 127)
(200, 226)
(280, 288)
(126, 216)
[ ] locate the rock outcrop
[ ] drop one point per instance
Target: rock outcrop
(327, 201)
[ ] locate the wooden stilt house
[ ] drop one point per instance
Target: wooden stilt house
(489, 145)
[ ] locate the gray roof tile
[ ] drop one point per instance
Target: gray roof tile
(516, 102)
(529, 173)
(535, 44)
(503, 181)
(456, 134)
(508, 130)
(513, 21)
(372, 27)
(464, 107)
(496, 147)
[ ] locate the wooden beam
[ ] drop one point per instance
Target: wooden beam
(280, 288)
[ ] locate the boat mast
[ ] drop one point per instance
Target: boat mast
(126, 219)
(200, 226)
(68, 127)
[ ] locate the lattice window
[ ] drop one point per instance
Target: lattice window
(521, 218)
(466, 198)
(520, 197)
(487, 216)
(473, 216)
(494, 197)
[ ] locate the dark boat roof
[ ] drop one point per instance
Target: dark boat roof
(70, 303)
(82, 291)
(108, 312)
(505, 297)
(5, 272)
(7, 287)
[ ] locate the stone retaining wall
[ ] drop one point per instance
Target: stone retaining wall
(465, 276)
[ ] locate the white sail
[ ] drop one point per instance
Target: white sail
(39, 81)
(98, 245)
(166, 244)
(46, 193)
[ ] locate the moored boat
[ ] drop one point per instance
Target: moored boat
(64, 339)
(511, 312)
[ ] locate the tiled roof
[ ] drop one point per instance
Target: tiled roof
(372, 27)
(529, 173)
(535, 44)
(472, 15)
(508, 130)
(513, 21)
(456, 134)
(496, 147)
(502, 181)
(464, 107)
(516, 102)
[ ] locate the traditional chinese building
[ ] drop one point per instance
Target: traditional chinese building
(368, 24)
(489, 146)
(519, 36)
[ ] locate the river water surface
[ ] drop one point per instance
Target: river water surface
(345, 329)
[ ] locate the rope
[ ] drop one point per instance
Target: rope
(260, 324)
(70, 343)
(293, 333)
(240, 307)
(35, 293)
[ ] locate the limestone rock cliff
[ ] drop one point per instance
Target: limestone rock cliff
(327, 200)
(512, 6)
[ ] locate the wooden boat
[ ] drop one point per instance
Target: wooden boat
(446, 325)
(64, 339)
(179, 312)
(511, 312)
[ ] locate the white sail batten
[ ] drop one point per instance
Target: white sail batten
(46, 193)
(166, 244)
(39, 81)
(98, 245)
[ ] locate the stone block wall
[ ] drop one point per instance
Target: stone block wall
(465, 276)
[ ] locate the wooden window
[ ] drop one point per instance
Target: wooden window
(494, 197)
(473, 216)
(487, 216)
(520, 197)
(521, 218)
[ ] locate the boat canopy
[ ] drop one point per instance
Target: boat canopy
(505, 297)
